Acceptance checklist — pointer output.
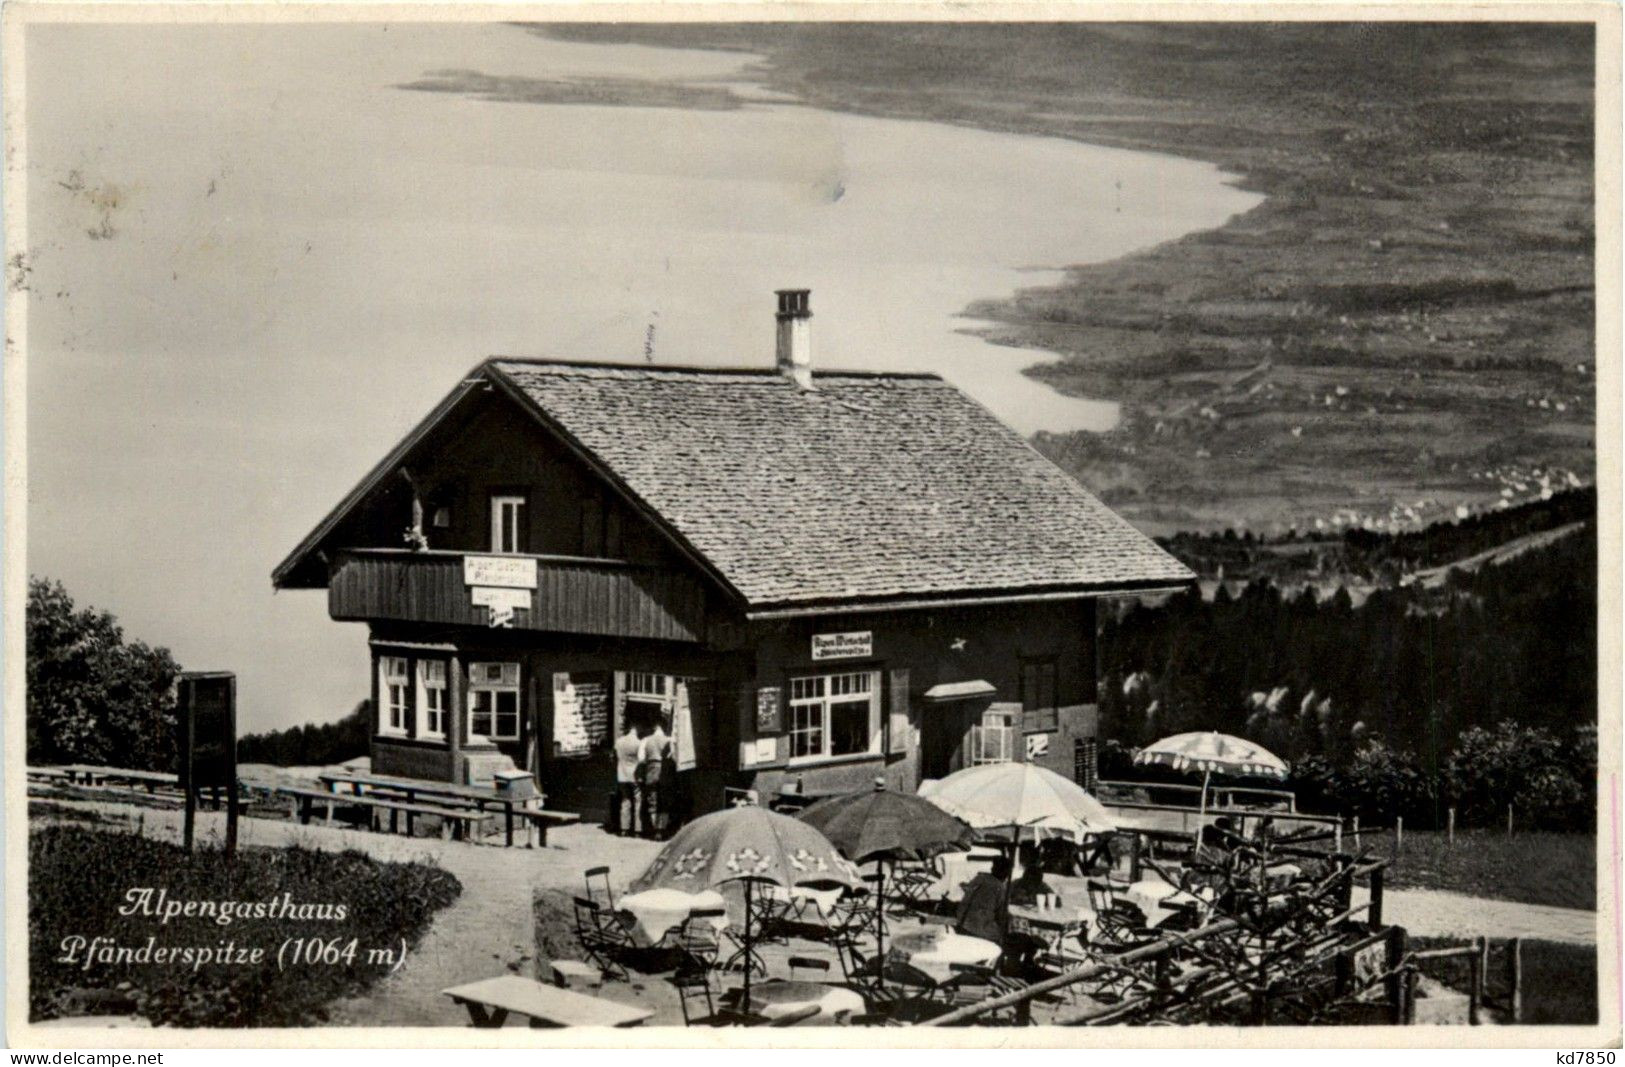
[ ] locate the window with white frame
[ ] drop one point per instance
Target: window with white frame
(432, 698)
(644, 686)
(834, 715)
(493, 701)
(394, 694)
(507, 524)
(993, 740)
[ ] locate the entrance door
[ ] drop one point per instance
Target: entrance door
(944, 735)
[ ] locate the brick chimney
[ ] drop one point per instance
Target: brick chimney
(794, 353)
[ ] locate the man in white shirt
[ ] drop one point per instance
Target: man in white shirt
(628, 763)
(657, 770)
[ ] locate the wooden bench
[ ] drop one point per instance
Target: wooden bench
(491, 1001)
(511, 812)
(48, 774)
(94, 775)
(542, 819)
(458, 823)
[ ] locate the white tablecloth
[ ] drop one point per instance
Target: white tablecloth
(656, 912)
(933, 954)
(957, 869)
(1149, 894)
(774, 999)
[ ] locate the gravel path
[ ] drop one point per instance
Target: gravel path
(1435, 913)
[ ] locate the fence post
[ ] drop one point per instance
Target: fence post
(1450, 826)
(1374, 914)
(1337, 836)
(1342, 974)
(1412, 977)
(1509, 820)
(1515, 979)
(1476, 981)
(1399, 831)
(1394, 980)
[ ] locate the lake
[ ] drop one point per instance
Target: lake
(256, 261)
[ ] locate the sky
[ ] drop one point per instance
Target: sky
(255, 259)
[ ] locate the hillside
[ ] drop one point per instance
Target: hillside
(1367, 558)
(1404, 328)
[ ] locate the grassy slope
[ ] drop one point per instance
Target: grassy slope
(1534, 868)
(1427, 246)
(78, 878)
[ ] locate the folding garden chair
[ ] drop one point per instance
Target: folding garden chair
(698, 938)
(601, 894)
(603, 937)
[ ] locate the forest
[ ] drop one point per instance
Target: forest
(1403, 692)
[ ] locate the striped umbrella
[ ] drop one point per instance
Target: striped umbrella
(1211, 752)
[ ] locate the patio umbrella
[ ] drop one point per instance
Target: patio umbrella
(1019, 797)
(1209, 751)
(878, 825)
(746, 844)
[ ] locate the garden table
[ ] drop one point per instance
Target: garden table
(1153, 897)
(779, 998)
(934, 952)
(654, 913)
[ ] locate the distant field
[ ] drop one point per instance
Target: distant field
(1406, 321)
(1533, 868)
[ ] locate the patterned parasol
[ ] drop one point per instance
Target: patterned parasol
(1213, 753)
(745, 843)
(748, 844)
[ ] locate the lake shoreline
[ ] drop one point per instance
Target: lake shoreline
(1407, 315)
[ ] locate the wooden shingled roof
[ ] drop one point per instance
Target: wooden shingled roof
(868, 486)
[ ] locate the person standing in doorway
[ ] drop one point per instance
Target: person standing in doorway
(628, 759)
(655, 764)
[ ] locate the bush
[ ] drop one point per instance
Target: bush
(1533, 770)
(78, 879)
(92, 696)
(1381, 784)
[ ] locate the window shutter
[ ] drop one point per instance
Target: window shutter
(898, 732)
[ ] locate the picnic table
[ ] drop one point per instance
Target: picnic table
(477, 797)
(491, 1000)
(777, 999)
(96, 775)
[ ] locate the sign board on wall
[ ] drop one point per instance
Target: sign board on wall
(769, 716)
(856, 645)
(512, 572)
(570, 736)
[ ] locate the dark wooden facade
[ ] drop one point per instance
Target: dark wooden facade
(616, 598)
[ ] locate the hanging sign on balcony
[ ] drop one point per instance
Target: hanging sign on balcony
(510, 572)
(502, 602)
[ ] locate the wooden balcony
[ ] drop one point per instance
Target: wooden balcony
(571, 595)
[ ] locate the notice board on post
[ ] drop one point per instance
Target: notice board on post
(206, 718)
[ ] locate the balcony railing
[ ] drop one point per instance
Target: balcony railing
(571, 595)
